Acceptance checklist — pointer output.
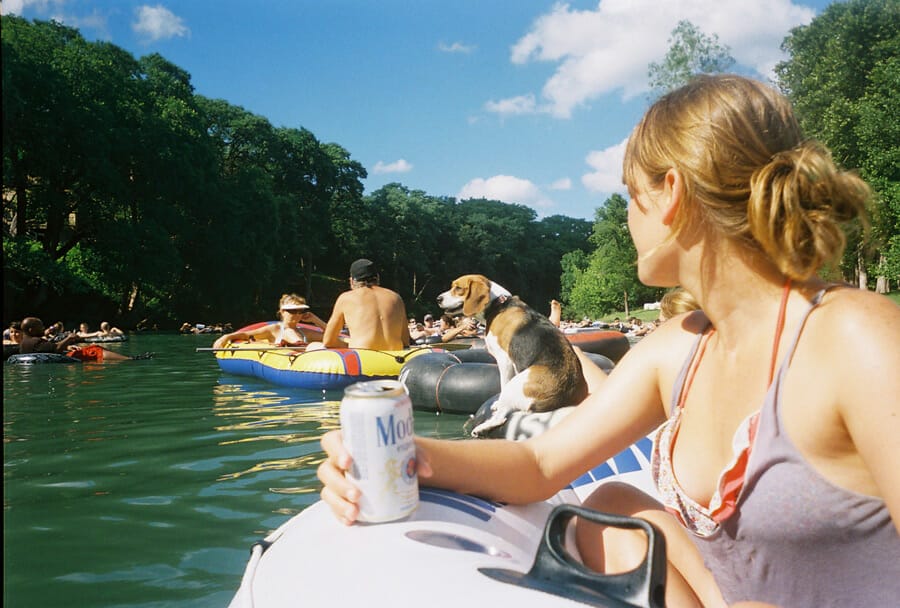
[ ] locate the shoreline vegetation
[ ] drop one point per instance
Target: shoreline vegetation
(129, 196)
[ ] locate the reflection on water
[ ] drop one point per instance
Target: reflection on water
(264, 412)
(144, 483)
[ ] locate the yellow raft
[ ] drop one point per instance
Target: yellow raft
(331, 369)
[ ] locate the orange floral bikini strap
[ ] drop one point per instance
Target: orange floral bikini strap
(692, 370)
(779, 328)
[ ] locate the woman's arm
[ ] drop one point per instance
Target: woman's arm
(625, 409)
(311, 317)
(264, 332)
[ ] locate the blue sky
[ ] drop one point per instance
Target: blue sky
(526, 102)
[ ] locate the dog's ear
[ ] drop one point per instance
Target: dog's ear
(476, 298)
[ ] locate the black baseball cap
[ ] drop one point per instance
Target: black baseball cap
(363, 269)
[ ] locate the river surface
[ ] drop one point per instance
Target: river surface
(144, 483)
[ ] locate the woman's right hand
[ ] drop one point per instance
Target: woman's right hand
(338, 492)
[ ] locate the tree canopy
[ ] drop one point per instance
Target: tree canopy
(605, 279)
(691, 52)
(128, 195)
(843, 75)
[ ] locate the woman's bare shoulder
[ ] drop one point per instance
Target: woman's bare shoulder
(855, 328)
(687, 325)
(849, 311)
(667, 345)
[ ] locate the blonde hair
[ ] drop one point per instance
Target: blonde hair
(747, 171)
(677, 301)
(290, 298)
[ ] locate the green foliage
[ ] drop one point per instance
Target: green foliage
(124, 190)
(690, 52)
(423, 242)
(606, 279)
(842, 77)
(26, 264)
(153, 195)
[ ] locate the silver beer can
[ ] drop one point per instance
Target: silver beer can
(377, 425)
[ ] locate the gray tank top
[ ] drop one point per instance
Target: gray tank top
(797, 539)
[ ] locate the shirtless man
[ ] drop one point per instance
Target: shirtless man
(33, 340)
(375, 317)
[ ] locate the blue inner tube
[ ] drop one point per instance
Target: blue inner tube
(36, 358)
(459, 382)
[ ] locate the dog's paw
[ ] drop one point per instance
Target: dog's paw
(499, 416)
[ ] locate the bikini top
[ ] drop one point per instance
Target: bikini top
(281, 341)
(705, 520)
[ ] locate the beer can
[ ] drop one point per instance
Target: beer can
(377, 425)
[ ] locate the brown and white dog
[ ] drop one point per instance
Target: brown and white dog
(539, 370)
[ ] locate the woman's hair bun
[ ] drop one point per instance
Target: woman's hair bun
(798, 204)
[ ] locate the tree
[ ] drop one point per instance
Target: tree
(573, 265)
(343, 189)
(240, 228)
(842, 78)
(128, 193)
(607, 280)
(690, 52)
(550, 240)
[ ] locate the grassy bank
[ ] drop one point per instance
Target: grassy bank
(643, 315)
(652, 315)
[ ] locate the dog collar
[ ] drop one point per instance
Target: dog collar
(495, 306)
(498, 292)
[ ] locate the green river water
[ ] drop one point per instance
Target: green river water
(144, 483)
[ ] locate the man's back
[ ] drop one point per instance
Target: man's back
(374, 316)
(36, 344)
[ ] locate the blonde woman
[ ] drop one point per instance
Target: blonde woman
(292, 309)
(675, 302)
(777, 404)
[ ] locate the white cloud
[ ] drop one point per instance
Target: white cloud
(608, 49)
(562, 184)
(524, 104)
(19, 7)
(95, 21)
(12, 7)
(456, 47)
(158, 22)
(507, 189)
(606, 176)
(400, 166)
(55, 10)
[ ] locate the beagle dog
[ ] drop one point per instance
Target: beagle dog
(539, 370)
